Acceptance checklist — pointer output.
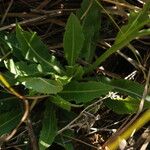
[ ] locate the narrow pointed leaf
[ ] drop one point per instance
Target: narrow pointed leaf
(49, 127)
(84, 91)
(127, 33)
(91, 24)
(73, 39)
(131, 88)
(125, 106)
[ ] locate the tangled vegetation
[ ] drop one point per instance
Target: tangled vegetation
(74, 78)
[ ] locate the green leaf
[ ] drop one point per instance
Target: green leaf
(22, 68)
(135, 23)
(13, 43)
(5, 48)
(76, 72)
(132, 89)
(128, 87)
(15, 46)
(49, 127)
(29, 69)
(63, 79)
(143, 32)
(128, 32)
(91, 27)
(84, 91)
(42, 85)
(125, 106)
(73, 39)
(33, 49)
(60, 102)
(9, 121)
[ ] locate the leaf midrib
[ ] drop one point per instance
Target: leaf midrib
(86, 91)
(73, 44)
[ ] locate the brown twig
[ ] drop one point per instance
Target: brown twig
(32, 135)
(43, 4)
(126, 5)
(24, 22)
(81, 114)
(23, 119)
(5, 14)
(146, 143)
(43, 17)
(80, 141)
(142, 139)
(21, 15)
(56, 2)
(40, 15)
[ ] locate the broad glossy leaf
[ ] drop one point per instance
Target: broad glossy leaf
(22, 68)
(29, 69)
(33, 49)
(73, 39)
(42, 85)
(83, 92)
(49, 126)
(9, 121)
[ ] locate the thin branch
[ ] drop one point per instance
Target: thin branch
(6, 12)
(126, 4)
(32, 135)
(80, 141)
(80, 115)
(43, 17)
(43, 4)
